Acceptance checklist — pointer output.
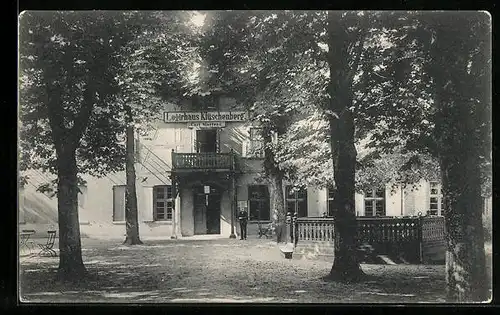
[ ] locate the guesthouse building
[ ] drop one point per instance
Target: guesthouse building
(199, 165)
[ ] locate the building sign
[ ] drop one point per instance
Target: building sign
(206, 189)
(215, 124)
(175, 117)
(242, 205)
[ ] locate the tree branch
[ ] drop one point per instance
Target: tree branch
(358, 51)
(81, 120)
(55, 112)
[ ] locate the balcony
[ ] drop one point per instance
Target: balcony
(202, 161)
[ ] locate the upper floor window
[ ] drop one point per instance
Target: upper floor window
(296, 201)
(436, 205)
(330, 195)
(205, 103)
(207, 140)
(256, 144)
(375, 202)
(258, 197)
(163, 203)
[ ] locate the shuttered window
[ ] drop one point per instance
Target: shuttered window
(163, 203)
(375, 203)
(436, 205)
(258, 197)
(296, 201)
(330, 201)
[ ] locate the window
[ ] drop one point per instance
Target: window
(207, 140)
(119, 203)
(258, 196)
(436, 204)
(375, 203)
(82, 196)
(163, 203)
(256, 147)
(208, 103)
(296, 201)
(330, 195)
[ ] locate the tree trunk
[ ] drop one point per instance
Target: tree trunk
(466, 278)
(460, 133)
(465, 256)
(278, 207)
(275, 180)
(340, 47)
(345, 265)
(71, 265)
(131, 215)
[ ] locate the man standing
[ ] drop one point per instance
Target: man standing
(243, 218)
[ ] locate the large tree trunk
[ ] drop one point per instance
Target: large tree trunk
(463, 100)
(275, 179)
(131, 215)
(346, 266)
(465, 256)
(466, 278)
(70, 250)
(277, 207)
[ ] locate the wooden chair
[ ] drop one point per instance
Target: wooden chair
(267, 230)
(25, 239)
(48, 247)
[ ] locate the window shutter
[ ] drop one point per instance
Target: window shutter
(137, 150)
(119, 203)
(147, 212)
(193, 140)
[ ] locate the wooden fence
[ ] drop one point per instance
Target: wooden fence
(414, 239)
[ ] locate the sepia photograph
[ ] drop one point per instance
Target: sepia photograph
(263, 157)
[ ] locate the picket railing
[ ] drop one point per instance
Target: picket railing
(202, 160)
(388, 230)
(419, 239)
(315, 229)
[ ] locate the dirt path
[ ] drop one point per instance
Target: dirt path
(220, 271)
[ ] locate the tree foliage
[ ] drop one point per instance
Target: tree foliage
(70, 110)
(70, 58)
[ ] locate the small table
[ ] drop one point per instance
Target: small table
(25, 236)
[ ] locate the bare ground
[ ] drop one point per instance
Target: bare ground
(223, 270)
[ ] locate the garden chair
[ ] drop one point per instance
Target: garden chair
(47, 248)
(25, 239)
(267, 230)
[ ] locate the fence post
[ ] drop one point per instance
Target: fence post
(288, 230)
(420, 238)
(295, 237)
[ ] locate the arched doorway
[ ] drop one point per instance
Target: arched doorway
(207, 209)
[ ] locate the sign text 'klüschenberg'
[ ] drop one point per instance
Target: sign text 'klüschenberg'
(173, 117)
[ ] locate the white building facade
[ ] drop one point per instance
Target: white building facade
(194, 171)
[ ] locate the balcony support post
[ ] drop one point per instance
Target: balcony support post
(234, 195)
(174, 208)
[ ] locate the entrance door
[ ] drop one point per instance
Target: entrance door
(200, 213)
(206, 216)
(206, 140)
(213, 214)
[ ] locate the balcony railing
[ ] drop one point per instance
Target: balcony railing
(194, 161)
